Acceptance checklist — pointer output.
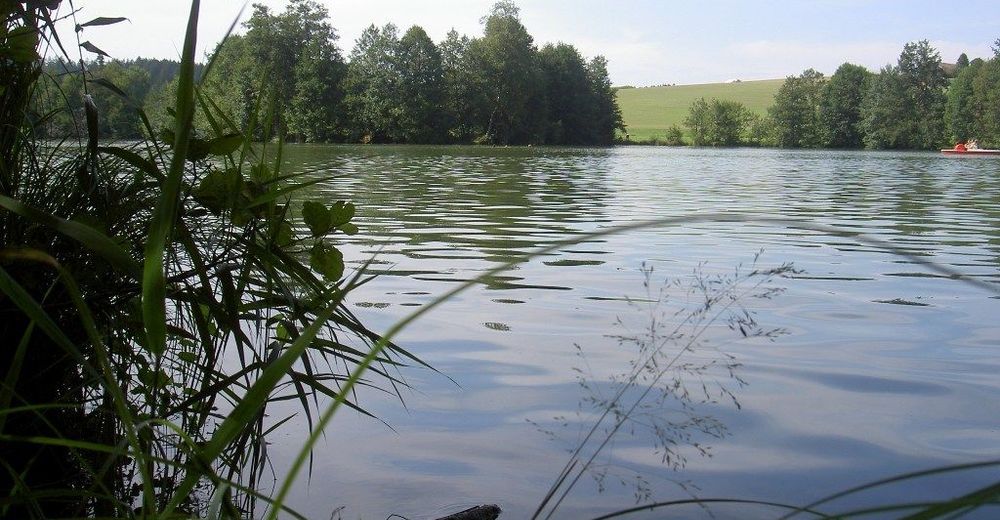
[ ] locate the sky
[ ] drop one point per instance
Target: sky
(647, 42)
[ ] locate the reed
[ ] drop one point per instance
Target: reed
(158, 299)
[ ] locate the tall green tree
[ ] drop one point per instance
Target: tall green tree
(466, 103)
(718, 122)
(962, 61)
(236, 86)
(508, 59)
(699, 122)
(986, 102)
(118, 116)
(959, 113)
(372, 86)
(796, 111)
(606, 116)
(569, 99)
(886, 120)
(275, 47)
(315, 113)
(421, 88)
(925, 84)
(840, 106)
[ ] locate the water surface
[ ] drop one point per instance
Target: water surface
(886, 367)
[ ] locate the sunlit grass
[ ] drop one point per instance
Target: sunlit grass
(649, 112)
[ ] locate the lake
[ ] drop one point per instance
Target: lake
(881, 366)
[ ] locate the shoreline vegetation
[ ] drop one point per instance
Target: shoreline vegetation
(405, 89)
(920, 103)
(159, 299)
(394, 86)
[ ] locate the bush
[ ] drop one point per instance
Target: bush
(674, 137)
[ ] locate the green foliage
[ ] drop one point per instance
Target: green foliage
(466, 102)
(296, 51)
(761, 131)
(986, 103)
(699, 122)
(904, 106)
(959, 111)
(496, 89)
(315, 113)
(160, 301)
(507, 58)
(396, 89)
(567, 90)
(886, 116)
(421, 88)
(925, 84)
(962, 61)
(649, 111)
(606, 115)
(796, 111)
(840, 107)
(322, 220)
(580, 102)
(717, 123)
(674, 137)
(371, 85)
(328, 261)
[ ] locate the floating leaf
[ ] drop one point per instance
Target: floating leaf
(317, 217)
(187, 357)
(341, 213)
(328, 261)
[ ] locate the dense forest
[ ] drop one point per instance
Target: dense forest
(393, 86)
(919, 103)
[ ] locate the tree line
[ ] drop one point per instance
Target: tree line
(393, 87)
(915, 104)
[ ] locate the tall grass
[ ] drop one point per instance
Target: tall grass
(157, 300)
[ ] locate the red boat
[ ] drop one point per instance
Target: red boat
(952, 151)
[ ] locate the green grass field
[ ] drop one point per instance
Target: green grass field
(648, 112)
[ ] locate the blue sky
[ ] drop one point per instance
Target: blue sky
(647, 42)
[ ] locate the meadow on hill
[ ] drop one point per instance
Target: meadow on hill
(649, 111)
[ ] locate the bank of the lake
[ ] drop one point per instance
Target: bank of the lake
(886, 367)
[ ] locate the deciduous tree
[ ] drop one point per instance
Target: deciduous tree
(840, 107)
(796, 111)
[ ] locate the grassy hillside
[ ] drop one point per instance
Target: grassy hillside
(649, 111)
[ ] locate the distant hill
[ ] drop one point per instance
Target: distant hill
(649, 111)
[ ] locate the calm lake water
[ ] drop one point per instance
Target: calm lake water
(885, 367)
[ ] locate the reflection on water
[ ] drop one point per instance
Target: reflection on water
(885, 368)
(675, 369)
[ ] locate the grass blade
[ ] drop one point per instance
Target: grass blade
(91, 238)
(153, 280)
